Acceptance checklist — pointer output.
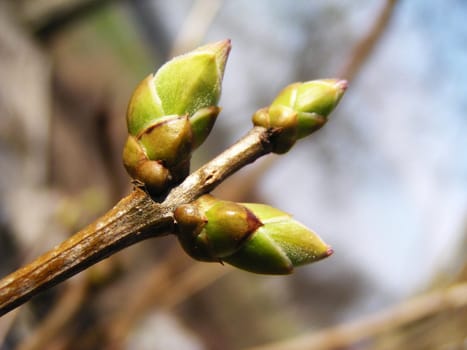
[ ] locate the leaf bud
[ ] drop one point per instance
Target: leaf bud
(171, 113)
(299, 110)
(254, 237)
(279, 245)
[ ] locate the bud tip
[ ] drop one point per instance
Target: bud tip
(342, 85)
(329, 251)
(222, 54)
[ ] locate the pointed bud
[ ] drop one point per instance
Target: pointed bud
(192, 81)
(172, 112)
(279, 245)
(253, 237)
(316, 96)
(299, 110)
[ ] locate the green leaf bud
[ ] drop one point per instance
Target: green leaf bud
(172, 112)
(279, 245)
(192, 81)
(299, 110)
(254, 237)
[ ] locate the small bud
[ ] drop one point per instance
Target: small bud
(284, 119)
(155, 154)
(253, 237)
(299, 110)
(172, 112)
(214, 227)
(190, 222)
(151, 173)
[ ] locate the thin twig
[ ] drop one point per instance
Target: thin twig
(67, 306)
(345, 335)
(350, 70)
(164, 288)
(191, 281)
(143, 299)
(133, 219)
(366, 45)
(6, 324)
(195, 26)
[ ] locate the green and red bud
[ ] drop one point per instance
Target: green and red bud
(171, 113)
(299, 110)
(254, 237)
(279, 245)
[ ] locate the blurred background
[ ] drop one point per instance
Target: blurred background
(384, 183)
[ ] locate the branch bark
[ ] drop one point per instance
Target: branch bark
(345, 335)
(135, 218)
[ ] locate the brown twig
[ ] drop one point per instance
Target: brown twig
(195, 26)
(150, 286)
(135, 218)
(343, 336)
(164, 288)
(366, 45)
(56, 321)
(352, 67)
(6, 324)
